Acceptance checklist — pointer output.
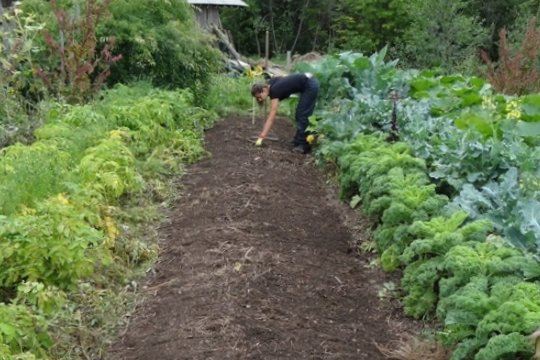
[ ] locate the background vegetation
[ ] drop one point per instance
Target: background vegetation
(421, 33)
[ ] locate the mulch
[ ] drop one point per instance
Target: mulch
(259, 260)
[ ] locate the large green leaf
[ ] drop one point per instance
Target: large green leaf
(528, 128)
(530, 108)
(482, 124)
(422, 84)
(530, 210)
(452, 79)
(362, 64)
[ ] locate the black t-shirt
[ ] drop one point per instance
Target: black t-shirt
(283, 87)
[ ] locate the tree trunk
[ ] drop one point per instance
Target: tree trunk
(272, 26)
(306, 4)
(229, 46)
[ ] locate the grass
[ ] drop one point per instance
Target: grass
(230, 95)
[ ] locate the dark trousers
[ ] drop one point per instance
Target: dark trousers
(305, 108)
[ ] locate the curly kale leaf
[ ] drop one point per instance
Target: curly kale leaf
(520, 312)
(507, 346)
(438, 235)
(419, 280)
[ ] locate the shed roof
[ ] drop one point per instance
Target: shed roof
(218, 2)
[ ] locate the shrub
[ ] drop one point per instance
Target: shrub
(163, 43)
(445, 38)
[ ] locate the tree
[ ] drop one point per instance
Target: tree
(299, 26)
(495, 15)
(369, 25)
(441, 35)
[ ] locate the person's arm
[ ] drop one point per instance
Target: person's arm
(270, 119)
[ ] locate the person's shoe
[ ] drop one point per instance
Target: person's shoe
(301, 149)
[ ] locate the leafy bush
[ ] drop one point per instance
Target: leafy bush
(472, 142)
(446, 38)
(161, 43)
(367, 26)
(48, 244)
(109, 168)
(29, 174)
(22, 334)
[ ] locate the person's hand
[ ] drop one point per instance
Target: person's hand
(259, 142)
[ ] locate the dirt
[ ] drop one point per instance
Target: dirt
(258, 262)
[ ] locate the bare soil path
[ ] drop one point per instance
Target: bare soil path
(256, 263)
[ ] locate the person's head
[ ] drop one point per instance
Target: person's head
(260, 92)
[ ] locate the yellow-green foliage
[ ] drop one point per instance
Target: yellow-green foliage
(377, 199)
(230, 95)
(499, 317)
(30, 173)
(370, 157)
(24, 323)
(393, 185)
(439, 234)
(72, 128)
(23, 333)
(59, 226)
(50, 244)
(110, 169)
(158, 120)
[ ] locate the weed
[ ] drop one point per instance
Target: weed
(516, 74)
(388, 291)
(81, 70)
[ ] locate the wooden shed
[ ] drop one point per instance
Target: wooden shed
(207, 11)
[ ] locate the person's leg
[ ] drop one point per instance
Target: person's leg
(305, 108)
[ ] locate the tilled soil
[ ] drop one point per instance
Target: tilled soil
(257, 263)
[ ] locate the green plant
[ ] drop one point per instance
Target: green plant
(109, 168)
(29, 174)
(18, 89)
(230, 95)
(368, 26)
(48, 244)
(23, 335)
(458, 35)
(164, 44)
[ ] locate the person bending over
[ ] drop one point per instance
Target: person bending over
(280, 88)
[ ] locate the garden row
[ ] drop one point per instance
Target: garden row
(450, 172)
(72, 203)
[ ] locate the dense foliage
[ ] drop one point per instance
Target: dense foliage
(60, 226)
(161, 43)
(446, 34)
(450, 170)
(78, 193)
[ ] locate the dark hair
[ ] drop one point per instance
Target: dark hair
(256, 89)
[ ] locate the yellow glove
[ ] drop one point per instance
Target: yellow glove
(310, 139)
(259, 142)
